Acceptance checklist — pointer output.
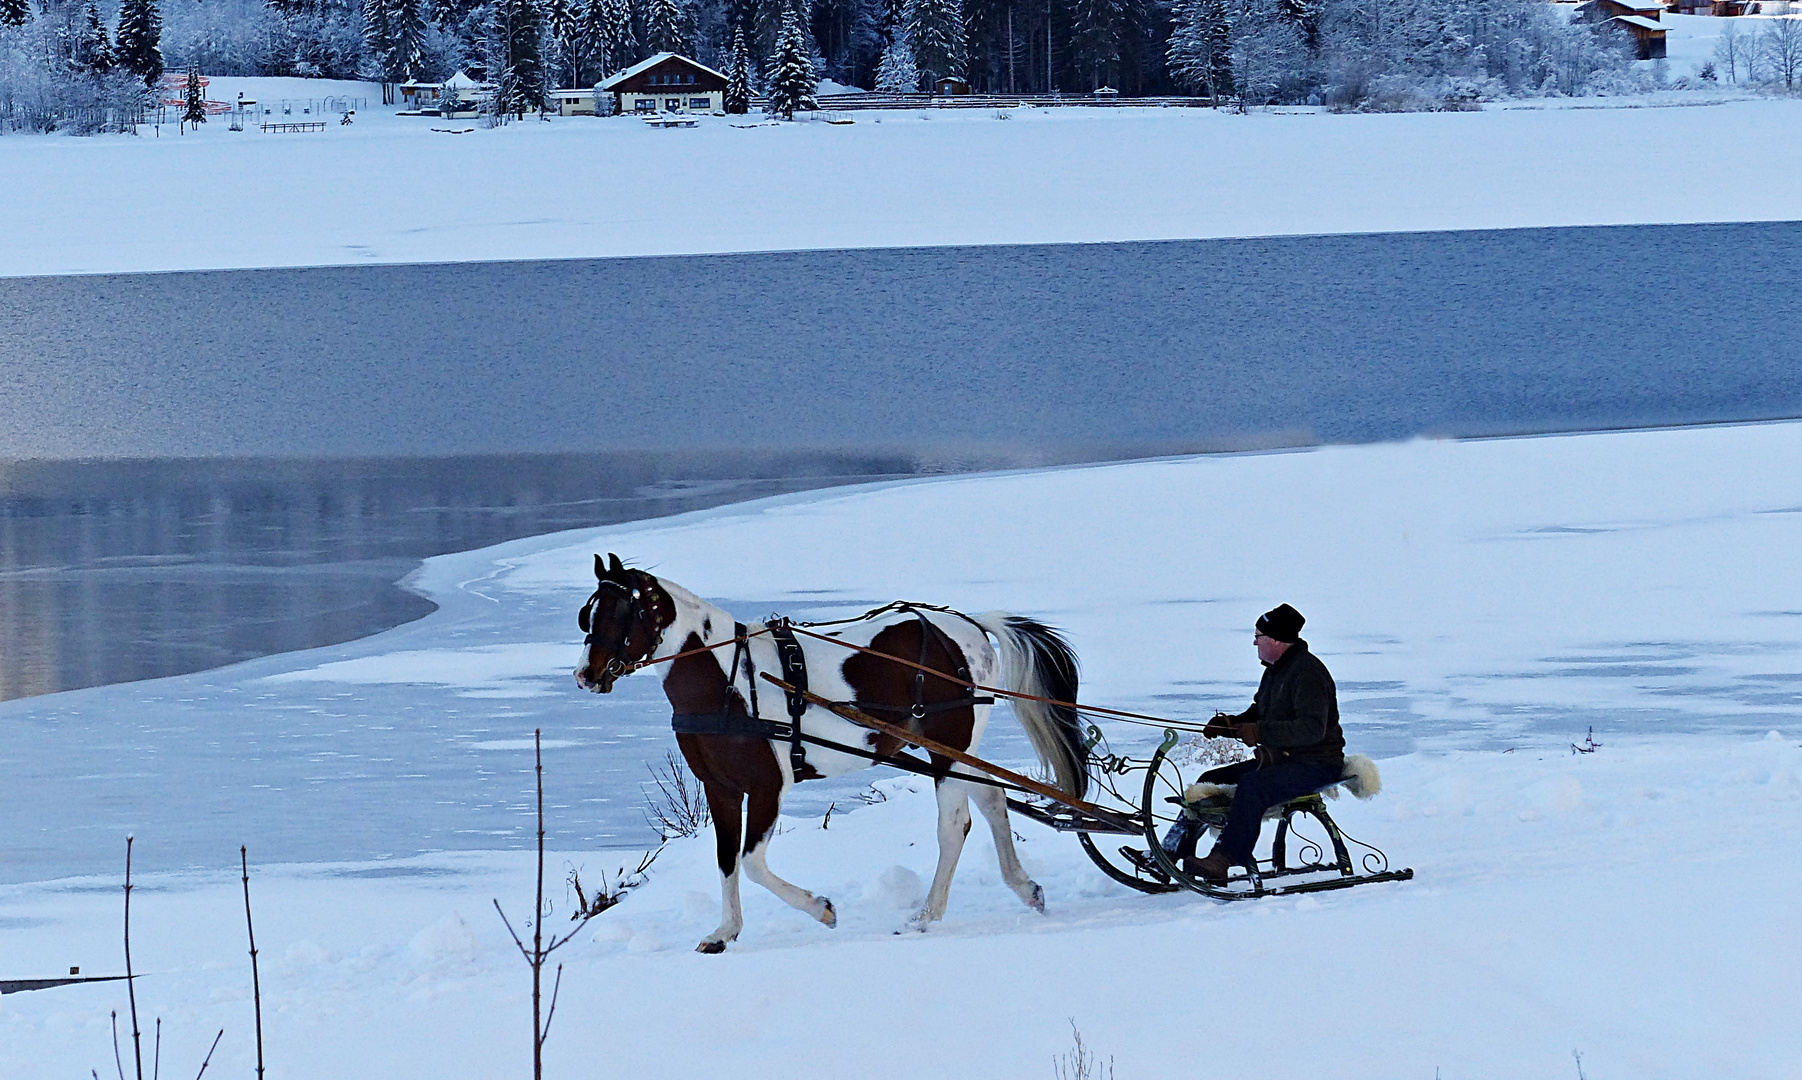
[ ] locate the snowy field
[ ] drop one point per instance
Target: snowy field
(391, 189)
(1482, 604)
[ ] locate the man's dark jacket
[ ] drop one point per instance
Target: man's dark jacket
(1296, 709)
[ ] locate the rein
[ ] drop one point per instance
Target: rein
(1130, 717)
(1143, 719)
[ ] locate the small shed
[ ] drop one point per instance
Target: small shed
(575, 102)
(667, 82)
(455, 96)
(952, 86)
(1647, 34)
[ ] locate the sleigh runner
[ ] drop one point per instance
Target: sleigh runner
(853, 698)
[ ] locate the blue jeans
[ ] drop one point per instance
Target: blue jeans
(1258, 789)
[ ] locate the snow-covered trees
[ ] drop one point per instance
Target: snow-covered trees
(90, 51)
(790, 77)
(663, 26)
(139, 40)
(15, 12)
(738, 76)
(1096, 30)
(1780, 48)
(1200, 47)
(193, 100)
(935, 30)
(898, 73)
(517, 67)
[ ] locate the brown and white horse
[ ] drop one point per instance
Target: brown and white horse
(634, 616)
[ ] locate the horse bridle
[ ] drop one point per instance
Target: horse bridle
(645, 606)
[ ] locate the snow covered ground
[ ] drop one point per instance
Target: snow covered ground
(1481, 603)
(391, 189)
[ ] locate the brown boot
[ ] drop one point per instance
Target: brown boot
(1211, 869)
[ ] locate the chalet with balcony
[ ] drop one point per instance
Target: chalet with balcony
(667, 83)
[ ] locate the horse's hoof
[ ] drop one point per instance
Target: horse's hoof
(711, 947)
(1037, 900)
(830, 915)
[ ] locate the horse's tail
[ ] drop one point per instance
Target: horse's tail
(1036, 660)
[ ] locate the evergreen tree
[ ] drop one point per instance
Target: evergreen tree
(1200, 43)
(406, 40)
(663, 26)
(447, 14)
(15, 12)
(791, 70)
(564, 21)
(378, 40)
(194, 111)
(93, 53)
(935, 31)
(738, 76)
(898, 74)
(620, 35)
(595, 42)
(519, 81)
(1096, 29)
(139, 40)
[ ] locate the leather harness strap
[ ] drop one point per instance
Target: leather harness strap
(794, 673)
(921, 708)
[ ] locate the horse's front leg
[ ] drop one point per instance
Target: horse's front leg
(760, 824)
(727, 808)
(954, 826)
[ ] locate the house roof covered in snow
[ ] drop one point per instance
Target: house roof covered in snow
(650, 62)
(1642, 23)
(461, 81)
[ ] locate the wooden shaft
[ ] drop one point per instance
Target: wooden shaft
(857, 716)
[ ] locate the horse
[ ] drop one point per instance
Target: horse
(724, 727)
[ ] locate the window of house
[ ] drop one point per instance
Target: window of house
(698, 103)
(672, 103)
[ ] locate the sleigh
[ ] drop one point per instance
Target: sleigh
(1141, 798)
(1307, 850)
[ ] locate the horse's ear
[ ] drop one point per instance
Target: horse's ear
(600, 568)
(617, 565)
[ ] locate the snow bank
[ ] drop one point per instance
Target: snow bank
(1623, 904)
(1481, 603)
(391, 189)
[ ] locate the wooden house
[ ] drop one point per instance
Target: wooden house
(952, 86)
(1648, 34)
(667, 83)
(1600, 11)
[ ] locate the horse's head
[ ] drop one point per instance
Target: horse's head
(624, 622)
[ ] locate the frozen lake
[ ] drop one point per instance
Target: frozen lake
(1107, 348)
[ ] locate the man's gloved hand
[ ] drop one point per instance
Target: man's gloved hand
(1248, 733)
(1220, 727)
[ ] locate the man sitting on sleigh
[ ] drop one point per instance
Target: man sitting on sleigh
(1293, 723)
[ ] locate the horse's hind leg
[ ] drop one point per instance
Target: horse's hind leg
(954, 826)
(760, 824)
(728, 813)
(993, 804)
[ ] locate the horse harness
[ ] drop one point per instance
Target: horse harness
(793, 661)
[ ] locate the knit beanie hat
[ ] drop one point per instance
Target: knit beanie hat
(1281, 623)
